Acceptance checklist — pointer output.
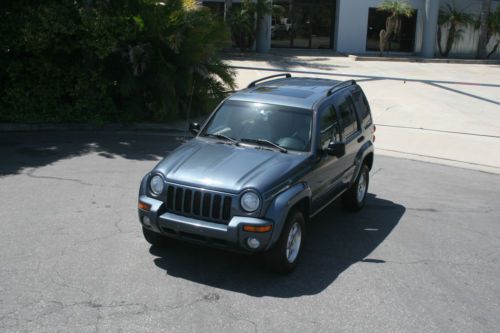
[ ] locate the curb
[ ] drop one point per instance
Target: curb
(425, 60)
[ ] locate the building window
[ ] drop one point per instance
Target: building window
(402, 42)
(304, 24)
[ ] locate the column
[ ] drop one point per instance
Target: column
(263, 43)
(430, 28)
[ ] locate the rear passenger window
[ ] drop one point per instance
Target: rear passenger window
(348, 118)
(362, 107)
(329, 126)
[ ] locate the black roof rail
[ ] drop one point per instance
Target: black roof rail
(251, 85)
(340, 85)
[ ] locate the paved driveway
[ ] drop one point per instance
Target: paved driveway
(423, 256)
(441, 113)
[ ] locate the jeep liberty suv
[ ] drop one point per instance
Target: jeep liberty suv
(269, 158)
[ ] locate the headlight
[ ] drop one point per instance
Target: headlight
(250, 202)
(156, 185)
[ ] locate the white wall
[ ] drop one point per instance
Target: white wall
(467, 45)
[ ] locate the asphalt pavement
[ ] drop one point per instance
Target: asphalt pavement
(423, 256)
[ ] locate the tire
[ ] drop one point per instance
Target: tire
(283, 258)
(354, 198)
(154, 238)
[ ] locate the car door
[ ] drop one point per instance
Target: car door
(325, 175)
(350, 134)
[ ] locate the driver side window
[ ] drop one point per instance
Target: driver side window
(329, 126)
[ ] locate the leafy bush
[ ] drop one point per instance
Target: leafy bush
(105, 61)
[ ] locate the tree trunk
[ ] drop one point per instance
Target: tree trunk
(493, 51)
(439, 34)
(227, 6)
(450, 40)
(483, 29)
(386, 34)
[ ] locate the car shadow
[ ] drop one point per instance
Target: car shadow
(335, 240)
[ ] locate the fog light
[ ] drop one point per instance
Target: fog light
(253, 243)
(146, 221)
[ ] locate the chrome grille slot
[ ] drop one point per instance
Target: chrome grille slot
(178, 199)
(211, 206)
(226, 208)
(170, 197)
(187, 201)
(205, 211)
(216, 206)
(197, 203)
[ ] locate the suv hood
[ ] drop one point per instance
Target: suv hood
(226, 167)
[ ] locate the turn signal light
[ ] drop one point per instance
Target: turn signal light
(253, 228)
(144, 206)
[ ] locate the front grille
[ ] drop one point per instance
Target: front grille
(212, 206)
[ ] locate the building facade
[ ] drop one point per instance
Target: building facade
(353, 26)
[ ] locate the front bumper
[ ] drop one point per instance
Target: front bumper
(230, 236)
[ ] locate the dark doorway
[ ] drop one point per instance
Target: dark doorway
(402, 42)
(304, 24)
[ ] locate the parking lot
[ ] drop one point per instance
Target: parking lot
(423, 256)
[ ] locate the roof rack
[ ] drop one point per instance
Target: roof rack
(251, 85)
(339, 86)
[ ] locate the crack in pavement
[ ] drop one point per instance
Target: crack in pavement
(30, 173)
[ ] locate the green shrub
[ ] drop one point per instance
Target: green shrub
(107, 61)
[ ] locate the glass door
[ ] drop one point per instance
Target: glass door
(304, 24)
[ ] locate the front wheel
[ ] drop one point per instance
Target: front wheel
(354, 198)
(283, 257)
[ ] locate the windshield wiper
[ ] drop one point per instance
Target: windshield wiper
(223, 137)
(266, 142)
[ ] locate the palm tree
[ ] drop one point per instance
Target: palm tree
(241, 21)
(483, 29)
(397, 9)
(247, 22)
(454, 19)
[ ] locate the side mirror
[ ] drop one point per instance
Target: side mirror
(194, 128)
(336, 149)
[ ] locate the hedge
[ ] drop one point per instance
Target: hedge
(109, 61)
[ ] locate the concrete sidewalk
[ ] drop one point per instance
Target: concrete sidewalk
(441, 113)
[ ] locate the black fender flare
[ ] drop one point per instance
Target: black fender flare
(281, 205)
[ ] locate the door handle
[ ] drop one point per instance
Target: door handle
(361, 139)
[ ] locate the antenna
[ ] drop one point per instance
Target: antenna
(189, 110)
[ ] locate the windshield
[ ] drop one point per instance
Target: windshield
(285, 126)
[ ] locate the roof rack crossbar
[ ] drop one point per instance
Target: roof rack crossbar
(251, 85)
(340, 85)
